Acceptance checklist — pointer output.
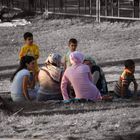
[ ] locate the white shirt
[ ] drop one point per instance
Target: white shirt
(16, 87)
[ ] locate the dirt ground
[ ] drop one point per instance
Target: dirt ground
(105, 42)
(117, 120)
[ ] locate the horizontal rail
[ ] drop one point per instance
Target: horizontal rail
(120, 18)
(57, 7)
(71, 14)
(129, 9)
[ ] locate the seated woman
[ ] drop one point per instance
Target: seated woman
(79, 76)
(21, 80)
(49, 79)
(98, 77)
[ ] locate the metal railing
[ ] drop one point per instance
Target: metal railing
(107, 9)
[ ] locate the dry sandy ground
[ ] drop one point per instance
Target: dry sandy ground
(105, 42)
(118, 120)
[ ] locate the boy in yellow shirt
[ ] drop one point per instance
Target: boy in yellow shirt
(29, 48)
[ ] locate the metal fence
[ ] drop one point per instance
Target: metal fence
(108, 9)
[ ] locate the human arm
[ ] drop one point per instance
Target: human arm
(31, 82)
(124, 83)
(21, 53)
(135, 87)
(25, 87)
(36, 53)
(64, 84)
(95, 77)
(64, 62)
(90, 76)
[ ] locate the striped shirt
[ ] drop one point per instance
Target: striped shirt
(125, 79)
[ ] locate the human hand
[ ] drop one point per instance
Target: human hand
(36, 56)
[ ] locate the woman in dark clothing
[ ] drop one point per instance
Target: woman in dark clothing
(98, 76)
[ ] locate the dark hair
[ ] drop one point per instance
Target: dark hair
(73, 40)
(128, 63)
(24, 60)
(27, 34)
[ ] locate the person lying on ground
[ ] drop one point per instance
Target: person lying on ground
(79, 76)
(22, 87)
(98, 77)
(121, 88)
(50, 78)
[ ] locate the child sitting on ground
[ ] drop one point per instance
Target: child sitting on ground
(30, 49)
(79, 76)
(22, 87)
(50, 78)
(122, 86)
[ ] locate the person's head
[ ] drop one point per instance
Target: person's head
(130, 65)
(28, 37)
(26, 62)
(72, 44)
(76, 57)
(53, 59)
(88, 60)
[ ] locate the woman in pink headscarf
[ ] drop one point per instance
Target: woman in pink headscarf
(79, 77)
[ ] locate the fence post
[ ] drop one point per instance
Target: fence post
(139, 9)
(112, 6)
(78, 6)
(106, 7)
(31, 5)
(54, 6)
(61, 5)
(118, 8)
(41, 6)
(98, 11)
(85, 6)
(90, 7)
(46, 14)
(65, 6)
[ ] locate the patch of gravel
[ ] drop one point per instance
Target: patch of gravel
(93, 125)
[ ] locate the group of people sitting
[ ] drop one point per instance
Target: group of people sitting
(76, 77)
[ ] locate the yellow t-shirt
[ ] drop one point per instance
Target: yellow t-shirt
(32, 50)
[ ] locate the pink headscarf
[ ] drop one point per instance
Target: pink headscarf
(76, 57)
